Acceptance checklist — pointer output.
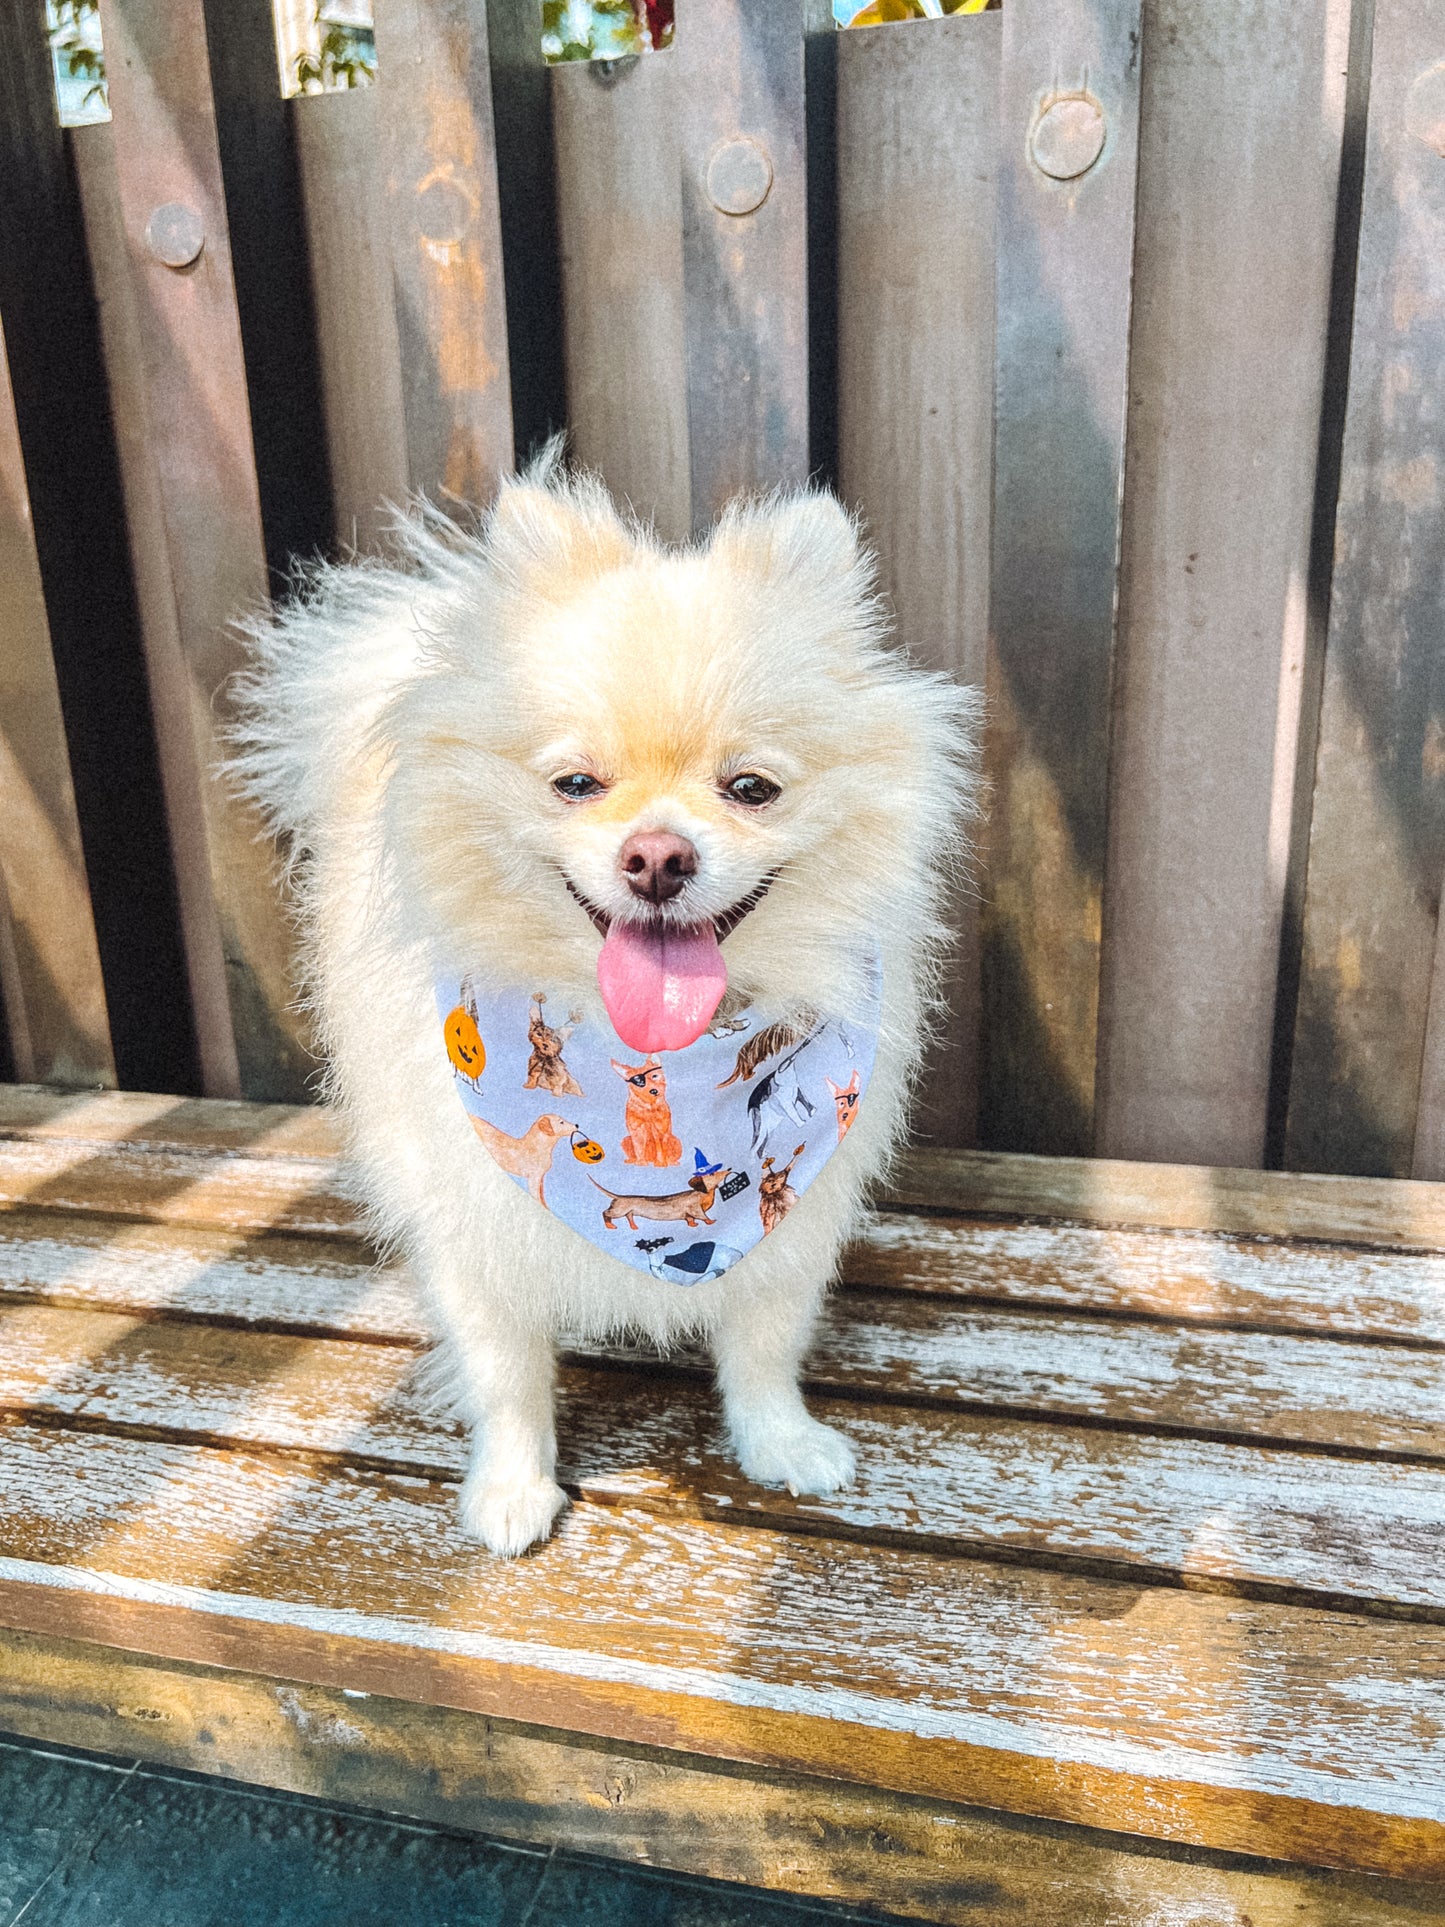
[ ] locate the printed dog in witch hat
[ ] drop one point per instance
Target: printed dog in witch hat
(691, 1206)
(649, 1137)
(546, 1070)
(529, 1156)
(776, 1197)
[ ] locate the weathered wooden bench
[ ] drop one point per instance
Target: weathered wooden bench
(1133, 1616)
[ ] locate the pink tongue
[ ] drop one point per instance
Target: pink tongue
(662, 984)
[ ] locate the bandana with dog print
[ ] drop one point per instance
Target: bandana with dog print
(678, 1162)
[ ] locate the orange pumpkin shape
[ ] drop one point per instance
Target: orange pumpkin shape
(586, 1150)
(464, 1043)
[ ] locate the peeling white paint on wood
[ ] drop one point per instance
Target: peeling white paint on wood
(1347, 1528)
(1284, 1387)
(1178, 1275)
(1382, 1397)
(142, 1118)
(275, 1280)
(707, 1593)
(1172, 1686)
(1161, 1274)
(177, 1187)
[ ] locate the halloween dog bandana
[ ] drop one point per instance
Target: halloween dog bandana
(677, 1162)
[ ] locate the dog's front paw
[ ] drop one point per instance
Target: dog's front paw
(800, 1453)
(508, 1515)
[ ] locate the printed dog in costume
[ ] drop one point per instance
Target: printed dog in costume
(776, 1197)
(649, 1137)
(691, 1206)
(553, 753)
(546, 1070)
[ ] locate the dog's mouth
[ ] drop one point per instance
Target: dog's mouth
(661, 981)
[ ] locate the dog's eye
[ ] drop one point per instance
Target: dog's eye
(578, 786)
(751, 790)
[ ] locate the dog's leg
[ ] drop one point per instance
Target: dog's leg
(509, 1498)
(759, 1344)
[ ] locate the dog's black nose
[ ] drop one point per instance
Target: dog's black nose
(656, 864)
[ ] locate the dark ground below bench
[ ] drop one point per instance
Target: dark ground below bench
(88, 1842)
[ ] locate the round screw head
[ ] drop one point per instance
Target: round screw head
(1068, 136)
(175, 234)
(1425, 108)
(739, 176)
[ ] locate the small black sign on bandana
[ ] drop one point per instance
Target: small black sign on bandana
(739, 1181)
(652, 1244)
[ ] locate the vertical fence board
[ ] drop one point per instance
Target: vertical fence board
(93, 149)
(619, 206)
(65, 422)
(349, 243)
(1428, 1159)
(741, 112)
(54, 998)
(917, 140)
(166, 154)
(1377, 842)
(527, 197)
(441, 169)
(1065, 247)
(1241, 124)
(267, 238)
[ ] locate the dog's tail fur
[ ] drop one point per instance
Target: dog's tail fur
(324, 671)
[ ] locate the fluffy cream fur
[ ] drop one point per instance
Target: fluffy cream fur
(405, 725)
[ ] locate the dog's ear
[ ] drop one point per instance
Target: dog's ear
(622, 1070)
(550, 533)
(808, 537)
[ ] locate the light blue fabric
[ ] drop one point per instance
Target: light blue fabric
(676, 1164)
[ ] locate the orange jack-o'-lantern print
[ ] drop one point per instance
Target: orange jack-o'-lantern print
(586, 1150)
(464, 1044)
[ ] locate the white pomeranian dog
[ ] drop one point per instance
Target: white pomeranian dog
(693, 800)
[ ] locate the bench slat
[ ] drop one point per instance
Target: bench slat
(282, 1282)
(1386, 1212)
(1189, 1277)
(951, 1865)
(1238, 1724)
(1196, 1276)
(1369, 1398)
(1391, 1212)
(1366, 1533)
(121, 1180)
(172, 1123)
(1319, 1392)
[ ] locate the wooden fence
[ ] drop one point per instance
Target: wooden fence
(1121, 321)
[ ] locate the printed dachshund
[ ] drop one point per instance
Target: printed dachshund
(691, 1206)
